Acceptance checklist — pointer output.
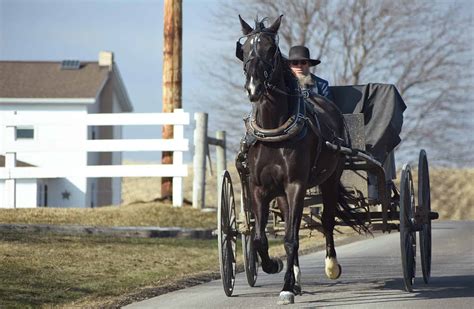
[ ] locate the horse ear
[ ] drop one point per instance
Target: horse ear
(246, 29)
(276, 25)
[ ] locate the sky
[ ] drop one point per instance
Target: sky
(55, 30)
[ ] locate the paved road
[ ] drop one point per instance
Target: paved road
(371, 278)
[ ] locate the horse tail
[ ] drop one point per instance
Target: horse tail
(349, 215)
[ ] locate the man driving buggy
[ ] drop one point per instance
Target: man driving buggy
(310, 84)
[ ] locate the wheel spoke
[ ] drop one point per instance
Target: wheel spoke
(227, 234)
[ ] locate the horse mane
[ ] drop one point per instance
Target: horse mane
(259, 24)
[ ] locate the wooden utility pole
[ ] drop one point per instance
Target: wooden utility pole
(172, 60)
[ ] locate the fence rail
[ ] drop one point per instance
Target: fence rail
(11, 147)
(102, 145)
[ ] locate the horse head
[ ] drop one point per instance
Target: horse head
(260, 55)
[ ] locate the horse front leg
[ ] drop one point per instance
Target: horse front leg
(260, 242)
(283, 206)
(330, 195)
(295, 196)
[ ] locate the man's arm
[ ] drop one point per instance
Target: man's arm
(323, 88)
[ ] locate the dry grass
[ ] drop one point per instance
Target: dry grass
(452, 191)
(149, 214)
(147, 189)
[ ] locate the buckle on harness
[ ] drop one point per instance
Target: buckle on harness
(305, 93)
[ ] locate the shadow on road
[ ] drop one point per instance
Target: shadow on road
(438, 287)
(377, 292)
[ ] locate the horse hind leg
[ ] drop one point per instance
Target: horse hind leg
(330, 195)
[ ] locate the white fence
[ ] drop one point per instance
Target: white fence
(10, 173)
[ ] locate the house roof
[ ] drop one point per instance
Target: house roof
(19, 79)
(18, 162)
(46, 80)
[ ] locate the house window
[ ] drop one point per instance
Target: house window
(25, 133)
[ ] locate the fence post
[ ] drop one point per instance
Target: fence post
(220, 156)
(199, 160)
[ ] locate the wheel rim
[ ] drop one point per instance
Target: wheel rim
(227, 234)
(249, 253)
(424, 201)
(407, 233)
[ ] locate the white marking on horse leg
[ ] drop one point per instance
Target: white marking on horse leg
(297, 272)
(333, 270)
(286, 298)
(251, 86)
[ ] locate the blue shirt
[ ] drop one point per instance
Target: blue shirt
(318, 86)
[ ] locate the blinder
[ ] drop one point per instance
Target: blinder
(239, 53)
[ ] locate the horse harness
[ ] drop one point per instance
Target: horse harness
(295, 128)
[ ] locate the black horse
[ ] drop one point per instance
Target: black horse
(289, 154)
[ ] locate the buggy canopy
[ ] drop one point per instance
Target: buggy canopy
(383, 109)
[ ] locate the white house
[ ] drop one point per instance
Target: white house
(62, 90)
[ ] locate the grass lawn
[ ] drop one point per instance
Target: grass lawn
(93, 271)
(44, 270)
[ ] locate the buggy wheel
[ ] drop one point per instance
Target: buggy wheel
(424, 202)
(407, 230)
(250, 258)
(227, 233)
(250, 255)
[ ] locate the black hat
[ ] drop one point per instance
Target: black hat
(302, 53)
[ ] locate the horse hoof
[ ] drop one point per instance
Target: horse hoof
(297, 290)
(333, 268)
(286, 298)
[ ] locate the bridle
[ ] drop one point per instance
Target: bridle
(268, 74)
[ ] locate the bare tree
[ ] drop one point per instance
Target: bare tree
(422, 47)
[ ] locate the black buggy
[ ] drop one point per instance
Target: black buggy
(374, 116)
